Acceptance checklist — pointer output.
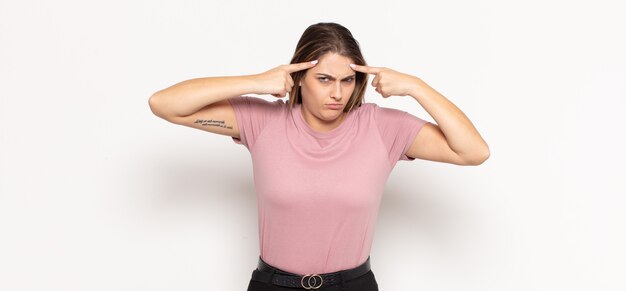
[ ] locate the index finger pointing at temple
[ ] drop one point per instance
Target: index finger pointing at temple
(300, 66)
(365, 69)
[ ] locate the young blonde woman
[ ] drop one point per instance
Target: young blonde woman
(321, 159)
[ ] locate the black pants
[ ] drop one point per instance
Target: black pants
(367, 282)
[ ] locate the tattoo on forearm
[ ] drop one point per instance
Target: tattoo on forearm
(211, 122)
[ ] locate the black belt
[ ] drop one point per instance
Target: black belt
(268, 274)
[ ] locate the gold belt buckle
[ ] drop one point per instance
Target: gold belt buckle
(312, 282)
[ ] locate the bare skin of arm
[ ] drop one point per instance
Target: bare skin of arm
(454, 139)
(202, 103)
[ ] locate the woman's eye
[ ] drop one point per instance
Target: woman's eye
(325, 79)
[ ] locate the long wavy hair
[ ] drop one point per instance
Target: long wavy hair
(320, 39)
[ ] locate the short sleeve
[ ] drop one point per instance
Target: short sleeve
(253, 114)
(398, 130)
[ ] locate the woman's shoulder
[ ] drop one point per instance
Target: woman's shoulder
(378, 110)
(367, 106)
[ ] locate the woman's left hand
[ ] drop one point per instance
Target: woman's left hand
(389, 82)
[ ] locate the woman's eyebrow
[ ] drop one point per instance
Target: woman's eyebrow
(332, 77)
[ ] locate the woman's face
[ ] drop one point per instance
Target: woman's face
(331, 81)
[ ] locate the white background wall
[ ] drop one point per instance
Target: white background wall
(97, 193)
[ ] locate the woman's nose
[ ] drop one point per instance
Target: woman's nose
(337, 93)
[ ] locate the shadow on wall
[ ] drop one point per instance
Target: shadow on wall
(192, 184)
(423, 216)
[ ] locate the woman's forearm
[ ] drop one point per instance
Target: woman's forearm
(187, 97)
(459, 131)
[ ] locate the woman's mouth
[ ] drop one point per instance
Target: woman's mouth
(334, 106)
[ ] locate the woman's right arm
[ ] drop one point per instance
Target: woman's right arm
(202, 102)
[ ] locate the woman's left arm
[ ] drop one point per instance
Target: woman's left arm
(454, 139)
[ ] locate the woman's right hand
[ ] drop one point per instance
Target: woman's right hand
(278, 81)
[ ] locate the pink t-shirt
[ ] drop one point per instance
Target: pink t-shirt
(318, 193)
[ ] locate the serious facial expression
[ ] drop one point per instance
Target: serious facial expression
(327, 87)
